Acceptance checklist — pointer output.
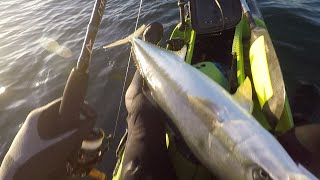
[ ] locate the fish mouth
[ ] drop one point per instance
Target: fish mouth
(258, 151)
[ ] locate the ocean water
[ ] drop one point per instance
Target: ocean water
(31, 76)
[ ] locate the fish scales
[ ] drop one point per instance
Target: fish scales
(220, 133)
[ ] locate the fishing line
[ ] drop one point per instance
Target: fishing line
(125, 78)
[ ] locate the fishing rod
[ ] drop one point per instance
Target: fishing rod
(77, 83)
(92, 149)
(248, 14)
(92, 30)
(271, 90)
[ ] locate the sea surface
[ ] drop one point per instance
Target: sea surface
(32, 74)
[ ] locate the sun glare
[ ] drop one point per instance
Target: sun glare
(2, 90)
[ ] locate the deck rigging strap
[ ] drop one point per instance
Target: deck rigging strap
(221, 12)
(125, 78)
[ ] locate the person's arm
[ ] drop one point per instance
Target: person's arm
(146, 155)
(43, 146)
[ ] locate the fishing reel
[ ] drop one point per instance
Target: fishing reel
(91, 153)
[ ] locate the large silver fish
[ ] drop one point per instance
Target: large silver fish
(220, 133)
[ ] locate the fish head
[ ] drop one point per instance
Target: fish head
(261, 155)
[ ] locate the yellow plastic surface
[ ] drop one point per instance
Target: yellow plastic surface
(260, 71)
(96, 174)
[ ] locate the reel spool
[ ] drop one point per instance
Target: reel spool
(91, 153)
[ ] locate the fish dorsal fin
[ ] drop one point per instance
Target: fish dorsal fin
(182, 52)
(243, 95)
(126, 40)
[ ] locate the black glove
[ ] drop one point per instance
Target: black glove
(138, 96)
(146, 154)
(45, 144)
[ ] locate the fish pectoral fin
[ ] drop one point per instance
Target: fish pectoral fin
(209, 111)
(182, 52)
(126, 40)
(243, 95)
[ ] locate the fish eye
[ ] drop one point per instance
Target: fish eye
(260, 174)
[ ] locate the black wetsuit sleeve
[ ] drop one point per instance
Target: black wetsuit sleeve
(146, 155)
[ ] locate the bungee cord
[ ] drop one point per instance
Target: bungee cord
(221, 12)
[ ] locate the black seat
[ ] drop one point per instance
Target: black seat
(212, 16)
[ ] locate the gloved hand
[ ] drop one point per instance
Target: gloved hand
(146, 142)
(45, 143)
(138, 95)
